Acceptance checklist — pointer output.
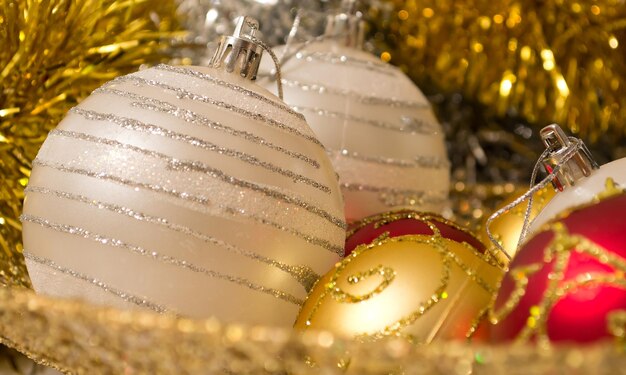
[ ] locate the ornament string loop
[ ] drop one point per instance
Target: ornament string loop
(277, 65)
(569, 151)
(275, 74)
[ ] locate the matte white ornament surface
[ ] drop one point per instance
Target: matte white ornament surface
(377, 126)
(183, 190)
(582, 193)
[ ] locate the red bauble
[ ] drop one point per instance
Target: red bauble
(402, 223)
(574, 276)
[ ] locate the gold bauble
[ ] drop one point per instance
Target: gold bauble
(421, 287)
(507, 228)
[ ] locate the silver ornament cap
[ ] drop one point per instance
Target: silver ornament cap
(240, 53)
(347, 26)
(579, 166)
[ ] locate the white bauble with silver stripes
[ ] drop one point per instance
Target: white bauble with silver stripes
(379, 129)
(186, 190)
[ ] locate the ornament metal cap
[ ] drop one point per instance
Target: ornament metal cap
(347, 26)
(240, 53)
(557, 144)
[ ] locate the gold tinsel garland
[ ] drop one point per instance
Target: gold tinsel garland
(546, 61)
(80, 338)
(54, 53)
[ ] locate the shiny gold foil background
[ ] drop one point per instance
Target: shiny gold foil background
(547, 61)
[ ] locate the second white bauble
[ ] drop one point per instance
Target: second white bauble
(379, 129)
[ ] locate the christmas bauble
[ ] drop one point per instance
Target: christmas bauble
(566, 282)
(379, 129)
(410, 275)
(507, 228)
(183, 189)
(582, 192)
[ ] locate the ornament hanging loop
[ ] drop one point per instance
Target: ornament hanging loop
(239, 53)
(557, 143)
(566, 160)
(346, 26)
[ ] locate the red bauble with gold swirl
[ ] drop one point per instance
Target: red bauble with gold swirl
(567, 283)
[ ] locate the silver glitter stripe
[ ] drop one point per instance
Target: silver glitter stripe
(308, 238)
(136, 125)
(184, 94)
(303, 274)
(166, 259)
(197, 119)
(331, 58)
(378, 189)
(359, 97)
(199, 167)
(175, 164)
(434, 162)
(139, 301)
(397, 197)
(199, 200)
(216, 81)
(411, 125)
